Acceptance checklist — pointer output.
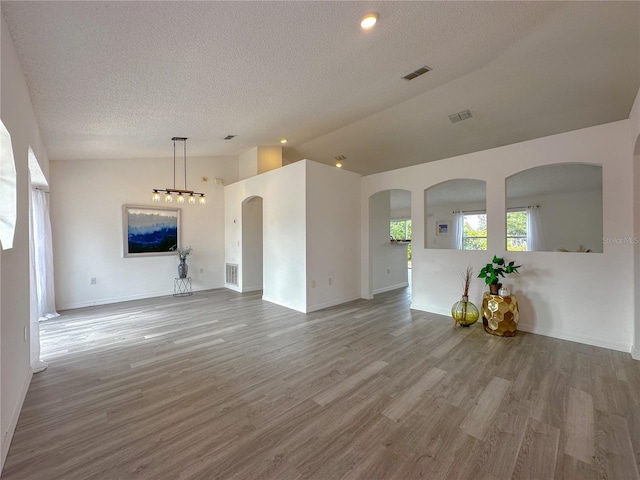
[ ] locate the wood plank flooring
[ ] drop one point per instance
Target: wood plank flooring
(222, 385)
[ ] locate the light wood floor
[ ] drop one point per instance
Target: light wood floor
(225, 386)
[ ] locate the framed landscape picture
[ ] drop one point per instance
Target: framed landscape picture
(150, 230)
(443, 227)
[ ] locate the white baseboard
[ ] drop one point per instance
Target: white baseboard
(635, 352)
(235, 288)
(561, 335)
(430, 309)
(13, 421)
(332, 303)
(252, 289)
(128, 298)
(572, 337)
(391, 287)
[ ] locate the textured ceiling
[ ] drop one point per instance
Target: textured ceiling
(119, 79)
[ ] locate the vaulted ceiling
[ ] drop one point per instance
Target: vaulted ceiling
(119, 79)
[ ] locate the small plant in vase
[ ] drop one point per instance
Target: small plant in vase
(183, 268)
(464, 312)
(492, 272)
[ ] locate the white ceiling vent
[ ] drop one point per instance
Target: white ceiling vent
(458, 117)
(417, 73)
(340, 158)
(229, 137)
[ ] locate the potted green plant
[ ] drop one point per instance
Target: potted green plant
(492, 272)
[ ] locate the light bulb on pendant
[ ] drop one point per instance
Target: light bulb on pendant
(202, 199)
(192, 199)
(168, 198)
(180, 198)
(155, 197)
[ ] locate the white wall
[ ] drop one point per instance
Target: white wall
(310, 234)
(252, 258)
(560, 293)
(634, 118)
(248, 164)
(284, 232)
(87, 225)
(269, 158)
(259, 160)
(15, 370)
(388, 261)
(333, 236)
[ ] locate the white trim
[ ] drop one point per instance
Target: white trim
(333, 303)
(429, 309)
(250, 289)
(392, 287)
(635, 352)
(127, 298)
(13, 421)
(561, 335)
(233, 287)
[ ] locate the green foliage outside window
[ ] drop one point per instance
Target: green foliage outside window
(401, 230)
(517, 231)
(475, 232)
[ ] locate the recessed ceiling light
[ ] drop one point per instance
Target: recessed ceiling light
(339, 164)
(369, 20)
(283, 140)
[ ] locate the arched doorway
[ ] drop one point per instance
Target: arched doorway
(252, 245)
(389, 240)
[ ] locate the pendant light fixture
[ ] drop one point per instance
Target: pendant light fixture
(182, 195)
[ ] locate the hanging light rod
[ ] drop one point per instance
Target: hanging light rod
(180, 193)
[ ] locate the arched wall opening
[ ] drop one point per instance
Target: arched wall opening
(252, 244)
(389, 240)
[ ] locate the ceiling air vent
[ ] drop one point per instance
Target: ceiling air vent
(229, 137)
(458, 117)
(417, 73)
(340, 158)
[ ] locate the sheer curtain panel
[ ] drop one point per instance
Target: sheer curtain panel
(458, 229)
(41, 251)
(535, 234)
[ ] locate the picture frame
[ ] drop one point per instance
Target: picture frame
(443, 227)
(150, 231)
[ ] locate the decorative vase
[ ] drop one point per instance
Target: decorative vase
(494, 288)
(464, 312)
(183, 268)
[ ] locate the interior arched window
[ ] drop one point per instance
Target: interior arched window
(555, 208)
(456, 215)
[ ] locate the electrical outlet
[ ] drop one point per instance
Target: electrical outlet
(313, 284)
(94, 280)
(388, 271)
(330, 280)
(202, 270)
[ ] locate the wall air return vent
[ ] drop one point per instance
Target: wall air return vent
(231, 276)
(417, 73)
(458, 117)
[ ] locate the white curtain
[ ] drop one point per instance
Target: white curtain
(458, 229)
(535, 234)
(42, 286)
